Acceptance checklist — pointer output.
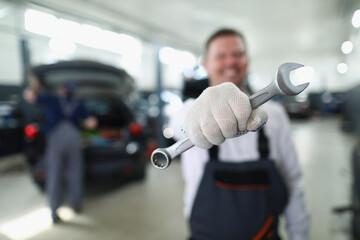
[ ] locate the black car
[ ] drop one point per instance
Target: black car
(295, 106)
(11, 128)
(116, 150)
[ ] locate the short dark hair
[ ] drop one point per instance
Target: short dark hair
(221, 33)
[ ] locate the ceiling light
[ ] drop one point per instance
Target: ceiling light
(84, 34)
(342, 68)
(177, 59)
(356, 19)
(90, 36)
(347, 47)
(62, 46)
(34, 22)
(120, 43)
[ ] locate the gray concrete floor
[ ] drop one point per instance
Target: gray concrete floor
(152, 209)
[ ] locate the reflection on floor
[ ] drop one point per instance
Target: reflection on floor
(152, 209)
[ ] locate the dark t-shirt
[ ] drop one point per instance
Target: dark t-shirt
(54, 112)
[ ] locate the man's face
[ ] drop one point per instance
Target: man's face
(226, 61)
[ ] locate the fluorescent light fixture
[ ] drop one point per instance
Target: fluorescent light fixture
(40, 22)
(121, 43)
(62, 47)
(131, 62)
(177, 59)
(90, 36)
(130, 44)
(347, 47)
(342, 68)
(67, 29)
(356, 19)
(113, 42)
(84, 34)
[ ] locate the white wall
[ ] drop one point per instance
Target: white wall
(148, 75)
(10, 53)
(10, 60)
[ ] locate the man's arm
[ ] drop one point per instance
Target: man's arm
(297, 218)
(84, 118)
(30, 93)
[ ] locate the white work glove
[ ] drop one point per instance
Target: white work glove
(221, 112)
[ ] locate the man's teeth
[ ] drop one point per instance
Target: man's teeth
(230, 73)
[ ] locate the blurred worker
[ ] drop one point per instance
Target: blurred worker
(238, 189)
(64, 115)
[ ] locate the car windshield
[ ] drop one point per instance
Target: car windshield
(110, 112)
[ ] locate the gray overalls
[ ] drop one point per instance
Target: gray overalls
(64, 159)
(239, 201)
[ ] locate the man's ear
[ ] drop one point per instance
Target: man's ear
(204, 63)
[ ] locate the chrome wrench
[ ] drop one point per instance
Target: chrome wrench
(161, 158)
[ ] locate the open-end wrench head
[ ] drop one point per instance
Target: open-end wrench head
(283, 79)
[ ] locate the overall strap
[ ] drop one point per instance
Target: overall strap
(263, 144)
(263, 147)
(214, 153)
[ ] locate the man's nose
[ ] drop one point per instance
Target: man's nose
(231, 59)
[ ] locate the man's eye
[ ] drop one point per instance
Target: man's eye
(220, 56)
(239, 54)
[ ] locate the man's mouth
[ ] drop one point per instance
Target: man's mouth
(230, 73)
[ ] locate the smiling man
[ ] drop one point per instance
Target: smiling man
(226, 58)
(238, 187)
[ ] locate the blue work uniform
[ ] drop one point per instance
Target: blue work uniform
(63, 153)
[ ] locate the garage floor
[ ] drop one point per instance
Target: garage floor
(152, 209)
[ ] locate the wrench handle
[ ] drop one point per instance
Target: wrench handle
(264, 95)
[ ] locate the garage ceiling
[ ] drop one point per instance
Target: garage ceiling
(306, 31)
